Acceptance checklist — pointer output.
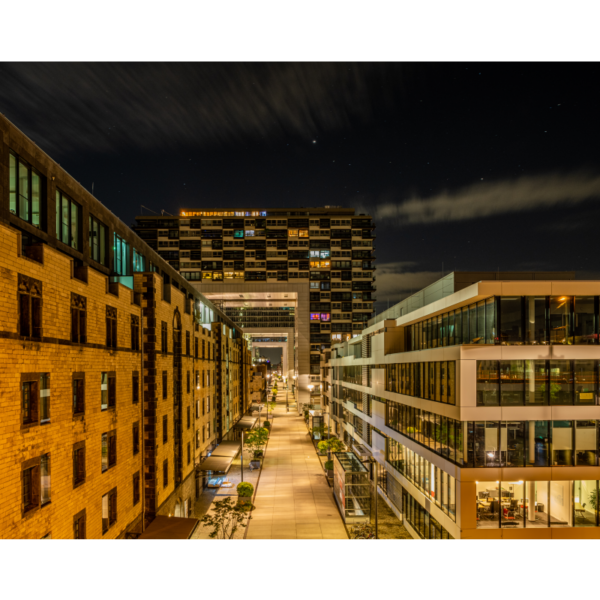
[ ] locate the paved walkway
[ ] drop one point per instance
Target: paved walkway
(293, 499)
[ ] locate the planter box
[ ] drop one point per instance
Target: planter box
(255, 464)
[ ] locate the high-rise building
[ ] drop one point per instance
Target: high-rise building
(304, 274)
(479, 400)
(117, 376)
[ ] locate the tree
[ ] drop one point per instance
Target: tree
(271, 407)
(225, 519)
(331, 445)
(256, 440)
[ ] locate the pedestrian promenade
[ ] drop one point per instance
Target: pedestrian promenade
(293, 499)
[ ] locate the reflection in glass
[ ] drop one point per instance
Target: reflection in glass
(511, 320)
(585, 381)
(584, 325)
(539, 444)
(512, 381)
(465, 325)
(561, 382)
(473, 324)
(512, 443)
(490, 321)
(559, 320)
(487, 383)
(536, 382)
(535, 320)
(480, 339)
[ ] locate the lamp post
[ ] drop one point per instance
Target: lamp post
(242, 455)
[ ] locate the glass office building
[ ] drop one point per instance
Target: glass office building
(481, 406)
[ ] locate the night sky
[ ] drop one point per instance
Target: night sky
(470, 166)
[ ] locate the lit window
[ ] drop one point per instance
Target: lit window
(206, 275)
(314, 317)
(292, 233)
(303, 233)
(228, 274)
(249, 232)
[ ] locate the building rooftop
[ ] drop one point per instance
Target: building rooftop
(459, 280)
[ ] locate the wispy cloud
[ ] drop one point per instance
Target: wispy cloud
(489, 199)
(107, 107)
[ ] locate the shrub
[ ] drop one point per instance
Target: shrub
(322, 446)
(245, 489)
(328, 465)
(267, 424)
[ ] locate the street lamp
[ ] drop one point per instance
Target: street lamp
(242, 455)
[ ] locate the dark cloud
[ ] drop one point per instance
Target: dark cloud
(490, 199)
(145, 106)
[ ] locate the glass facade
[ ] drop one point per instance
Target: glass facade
(499, 443)
(537, 382)
(436, 484)
(523, 504)
(428, 380)
(121, 256)
(509, 320)
(98, 240)
(25, 191)
(68, 221)
(421, 521)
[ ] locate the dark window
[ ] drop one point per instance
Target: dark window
(111, 327)
(135, 332)
(188, 417)
(511, 320)
(187, 343)
(98, 240)
(30, 401)
(164, 385)
(136, 438)
(585, 320)
(31, 485)
(78, 319)
(112, 391)
(109, 510)
(195, 347)
(68, 221)
(163, 337)
(79, 526)
(30, 307)
(135, 386)
(109, 450)
(189, 454)
(165, 473)
(136, 488)
(25, 191)
(78, 393)
(188, 382)
(165, 429)
(44, 398)
(78, 463)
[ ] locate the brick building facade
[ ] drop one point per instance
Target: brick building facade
(115, 372)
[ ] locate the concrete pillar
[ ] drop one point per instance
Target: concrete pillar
(531, 501)
(531, 457)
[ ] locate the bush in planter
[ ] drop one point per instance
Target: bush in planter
(322, 447)
(329, 465)
(267, 424)
(245, 490)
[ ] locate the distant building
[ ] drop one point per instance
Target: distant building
(306, 275)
